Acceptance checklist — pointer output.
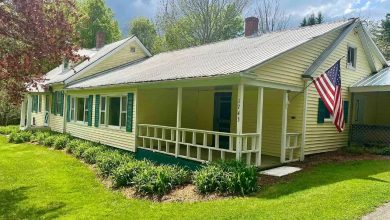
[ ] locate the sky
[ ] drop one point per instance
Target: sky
(125, 10)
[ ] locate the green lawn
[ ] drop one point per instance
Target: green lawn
(36, 182)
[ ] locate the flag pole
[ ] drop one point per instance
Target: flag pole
(312, 81)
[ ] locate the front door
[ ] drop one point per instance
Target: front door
(222, 116)
(358, 117)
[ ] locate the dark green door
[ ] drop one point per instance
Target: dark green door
(222, 116)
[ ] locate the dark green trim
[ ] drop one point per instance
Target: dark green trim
(62, 104)
(39, 103)
(346, 108)
(90, 103)
(53, 101)
(68, 108)
(321, 111)
(97, 110)
(129, 122)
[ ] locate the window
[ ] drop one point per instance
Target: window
(324, 115)
(103, 110)
(72, 108)
(351, 57)
(47, 103)
(58, 103)
(113, 111)
(132, 49)
(35, 103)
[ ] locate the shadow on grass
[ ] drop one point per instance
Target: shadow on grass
(11, 206)
(327, 174)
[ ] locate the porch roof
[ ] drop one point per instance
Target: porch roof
(374, 83)
(216, 59)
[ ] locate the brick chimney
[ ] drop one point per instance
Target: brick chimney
(100, 39)
(251, 26)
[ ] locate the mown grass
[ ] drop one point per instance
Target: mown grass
(36, 182)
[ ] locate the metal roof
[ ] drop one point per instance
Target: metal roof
(216, 59)
(376, 82)
(57, 75)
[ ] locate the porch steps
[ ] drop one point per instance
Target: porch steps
(280, 171)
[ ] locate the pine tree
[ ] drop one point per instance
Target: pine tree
(384, 36)
(304, 22)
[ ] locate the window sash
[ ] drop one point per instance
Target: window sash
(105, 111)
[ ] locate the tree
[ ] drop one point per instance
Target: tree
(271, 16)
(312, 19)
(9, 112)
(95, 17)
(34, 37)
(145, 30)
(383, 36)
(196, 22)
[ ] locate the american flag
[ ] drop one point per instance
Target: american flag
(328, 86)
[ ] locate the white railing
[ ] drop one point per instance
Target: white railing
(199, 145)
(293, 147)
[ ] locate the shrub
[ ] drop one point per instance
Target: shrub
(108, 161)
(357, 150)
(124, 174)
(385, 151)
(49, 141)
(159, 180)
(230, 177)
(72, 144)
(90, 154)
(19, 137)
(40, 136)
(80, 148)
(6, 130)
(60, 141)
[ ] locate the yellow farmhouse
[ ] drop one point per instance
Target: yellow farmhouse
(248, 98)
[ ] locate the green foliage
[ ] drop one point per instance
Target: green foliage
(96, 16)
(357, 150)
(145, 30)
(90, 155)
(61, 141)
(385, 151)
(49, 141)
(108, 161)
(124, 174)
(6, 130)
(40, 136)
(19, 137)
(81, 148)
(383, 36)
(230, 177)
(72, 145)
(353, 149)
(159, 180)
(9, 112)
(312, 19)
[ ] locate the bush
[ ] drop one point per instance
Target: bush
(49, 141)
(90, 154)
(124, 174)
(80, 148)
(357, 150)
(384, 151)
(72, 144)
(108, 161)
(19, 137)
(40, 136)
(6, 130)
(159, 180)
(232, 177)
(60, 141)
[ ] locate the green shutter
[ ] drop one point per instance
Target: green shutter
(90, 103)
(40, 103)
(321, 111)
(68, 109)
(34, 103)
(47, 98)
(97, 110)
(346, 106)
(62, 104)
(129, 122)
(53, 100)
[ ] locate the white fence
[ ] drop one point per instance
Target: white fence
(200, 145)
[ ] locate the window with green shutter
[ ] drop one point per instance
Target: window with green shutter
(68, 103)
(97, 109)
(129, 121)
(323, 112)
(61, 103)
(34, 99)
(39, 103)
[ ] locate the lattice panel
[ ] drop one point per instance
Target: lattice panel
(370, 134)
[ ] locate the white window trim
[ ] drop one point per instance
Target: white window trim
(107, 112)
(350, 65)
(85, 119)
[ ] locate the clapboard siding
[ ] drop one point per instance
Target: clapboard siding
(324, 137)
(288, 68)
(56, 123)
(122, 56)
(39, 116)
(108, 136)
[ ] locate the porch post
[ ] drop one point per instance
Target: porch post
(29, 111)
(304, 120)
(240, 113)
(178, 118)
(23, 113)
(259, 128)
(284, 127)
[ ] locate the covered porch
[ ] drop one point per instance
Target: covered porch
(370, 118)
(242, 121)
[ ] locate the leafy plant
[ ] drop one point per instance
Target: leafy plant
(90, 154)
(81, 148)
(108, 161)
(72, 144)
(60, 141)
(49, 141)
(160, 180)
(124, 174)
(6, 130)
(232, 177)
(40, 136)
(19, 137)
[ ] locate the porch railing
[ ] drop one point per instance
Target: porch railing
(293, 147)
(199, 145)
